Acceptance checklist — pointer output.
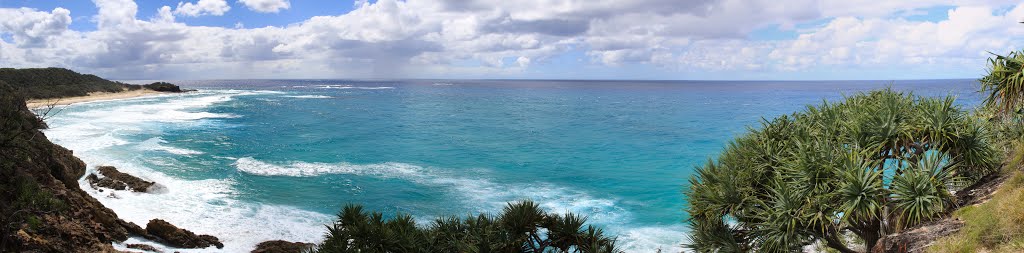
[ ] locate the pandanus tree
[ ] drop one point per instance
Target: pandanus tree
(873, 164)
(1004, 83)
(522, 227)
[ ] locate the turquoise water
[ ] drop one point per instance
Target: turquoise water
(255, 160)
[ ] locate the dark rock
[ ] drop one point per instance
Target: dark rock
(145, 247)
(163, 87)
(105, 182)
(180, 238)
(114, 179)
(279, 246)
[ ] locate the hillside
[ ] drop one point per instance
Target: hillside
(39, 83)
(44, 83)
(45, 210)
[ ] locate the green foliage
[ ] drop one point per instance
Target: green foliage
(40, 83)
(521, 227)
(1004, 83)
(162, 86)
(870, 165)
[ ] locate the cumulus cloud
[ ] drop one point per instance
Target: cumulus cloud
(203, 7)
(31, 28)
(266, 6)
(416, 38)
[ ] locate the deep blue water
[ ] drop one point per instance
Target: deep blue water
(275, 159)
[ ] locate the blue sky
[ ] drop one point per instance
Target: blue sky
(573, 39)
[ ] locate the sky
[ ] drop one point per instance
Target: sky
(512, 39)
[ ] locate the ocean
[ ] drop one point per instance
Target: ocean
(256, 160)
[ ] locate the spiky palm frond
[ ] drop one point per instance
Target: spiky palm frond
(921, 192)
(839, 159)
(1004, 83)
(862, 194)
(715, 236)
(521, 227)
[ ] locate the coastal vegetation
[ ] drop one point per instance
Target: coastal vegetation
(40, 83)
(521, 227)
(44, 83)
(998, 224)
(1004, 83)
(844, 174)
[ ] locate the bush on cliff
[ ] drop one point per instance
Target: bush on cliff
(36, 83)
(522, 227)
(865, 167)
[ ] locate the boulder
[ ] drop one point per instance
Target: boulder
(279, 246)
(173, 236)
(144, 247)
(114, 179)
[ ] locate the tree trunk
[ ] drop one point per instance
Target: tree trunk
(833, 242)
(871, 234)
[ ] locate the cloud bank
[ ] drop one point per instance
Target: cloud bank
(484, 38)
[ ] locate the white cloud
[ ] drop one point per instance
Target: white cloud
(266, 6)
(203, 7)
(31, 28)
(416, 38)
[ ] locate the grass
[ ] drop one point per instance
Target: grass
(996, 225)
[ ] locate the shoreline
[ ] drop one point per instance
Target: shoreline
(92, 97)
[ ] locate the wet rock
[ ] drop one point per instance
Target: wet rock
(144, 247)
(173, 236)
(105, 182)
(279, 246)
(114, 179)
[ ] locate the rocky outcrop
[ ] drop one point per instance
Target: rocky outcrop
(918, 238)
(43, 209)
(163, 87)
(175, 237)
(143, 247)
(114, 179)
(279, 246)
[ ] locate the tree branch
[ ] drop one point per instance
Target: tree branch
(833, 242)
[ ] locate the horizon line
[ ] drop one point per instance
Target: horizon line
(549, 79)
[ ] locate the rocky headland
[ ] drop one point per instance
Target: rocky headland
(43, 207)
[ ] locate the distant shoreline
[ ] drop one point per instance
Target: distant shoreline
(95, 96)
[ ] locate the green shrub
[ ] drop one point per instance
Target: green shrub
(873, 164)
(521, 227)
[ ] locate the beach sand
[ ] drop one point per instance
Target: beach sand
(95, 96)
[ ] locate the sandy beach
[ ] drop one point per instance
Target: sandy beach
(95, 96)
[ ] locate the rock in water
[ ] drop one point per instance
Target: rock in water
(279, 246)
(144, 247)
(117, 180)
(180, 238)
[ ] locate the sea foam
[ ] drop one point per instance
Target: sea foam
(308, 96)
(97, 131)
(481, 194)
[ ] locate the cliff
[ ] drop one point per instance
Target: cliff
(44, 209)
